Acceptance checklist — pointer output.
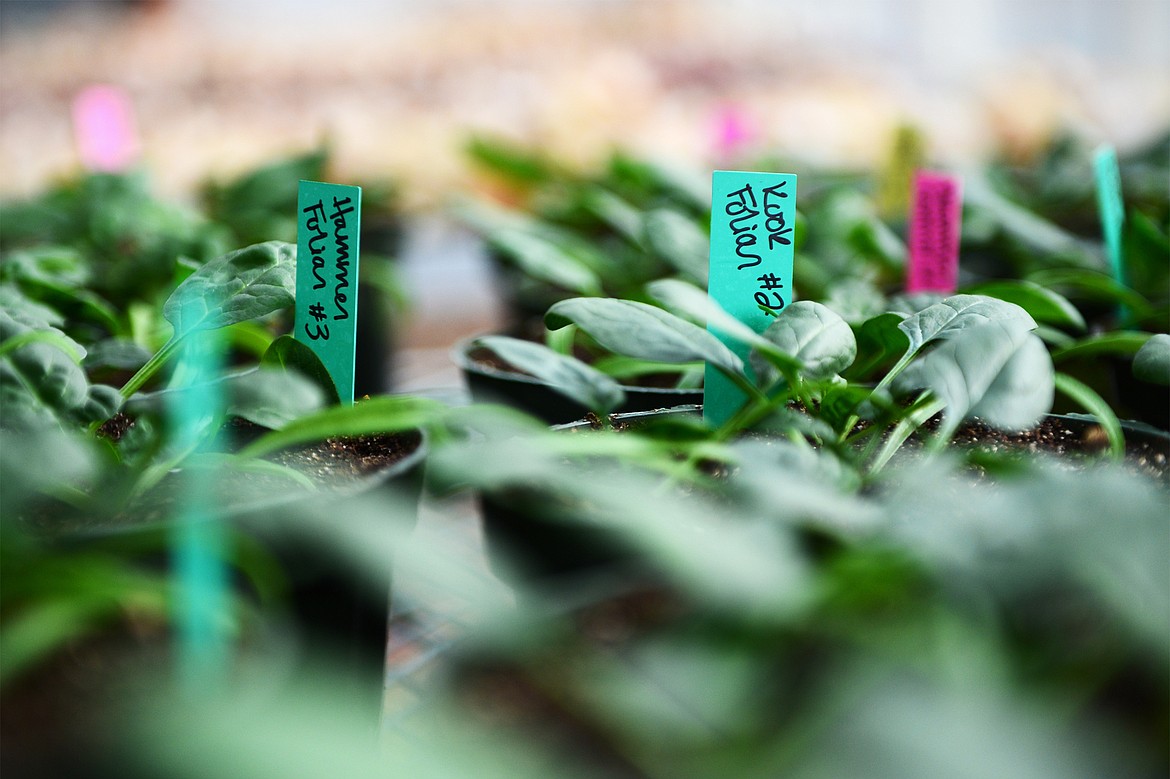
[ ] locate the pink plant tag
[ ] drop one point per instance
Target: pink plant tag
(732, 130)
(935, 218)
(103, 124)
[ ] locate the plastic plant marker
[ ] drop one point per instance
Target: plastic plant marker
(1112, 211)
(103, 125)
(733, 131)
(935, 219)
(906, 155)
(328, 222)
(198, 544)
(753, 216)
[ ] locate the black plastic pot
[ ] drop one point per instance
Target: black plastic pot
(336, 612)
(374, 372)
(525, 547)
(331, 608)
(1149, 403)
(488, 384)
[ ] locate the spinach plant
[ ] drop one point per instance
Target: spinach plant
(602, 232)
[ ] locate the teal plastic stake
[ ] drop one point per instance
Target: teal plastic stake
(1112, 211)
(753, 219)
(198, 544)
(328, 226)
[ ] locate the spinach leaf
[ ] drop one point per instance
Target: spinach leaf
(1152, 362)
(40, 372)
(956, 313)
(236, 287)
(567, 375)
(1042, 303)
(678, 240)
(819, 340)
(287, 352)
(996, 369)
(241, 285)
(643, 331)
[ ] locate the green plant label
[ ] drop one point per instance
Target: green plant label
(328, 218)
(1112, 212)
(753, 216)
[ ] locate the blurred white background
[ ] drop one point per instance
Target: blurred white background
(219, 85)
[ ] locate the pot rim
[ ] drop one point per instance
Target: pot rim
(369, 481)
(1129, 425)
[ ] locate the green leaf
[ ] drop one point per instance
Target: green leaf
(1094, 285)
(879, 341)
(817, 338)
(996, 369)
(624, 368)
(56, 265)
(384, 414)
(855, 299)
(251, 338)
(873, 239)
(49, 623)
(840, 403)
(1022, 391)
(290, 354)
(622, 217)
(26, 311)
(1043, 304)
(1152, 362)
(510, 160)
(273, 398)
(567, 375)
(1088, 399)
(956, 313)
(543, 259)
(39, 371)
(102, 402)
(242, 285)
(696, 305)
(1024, 226)
(222, 464)
(1122, 344)
(679, 240)
(640, 330)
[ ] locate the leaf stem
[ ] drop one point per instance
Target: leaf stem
(923, 409)
(41, 336)
(151, 367)
(1086, 397)
(899, 366)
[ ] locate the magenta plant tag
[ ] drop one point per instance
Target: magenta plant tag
(328, 222)
(733, 130)
(753, 221)
(103, 124)
(935, 219)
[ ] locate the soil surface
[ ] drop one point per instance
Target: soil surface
(333, 463)
(1080, 442)
(334, 460)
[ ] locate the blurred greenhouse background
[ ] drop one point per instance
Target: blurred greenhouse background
(393, 93)
(396, 88)
(219, 85)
